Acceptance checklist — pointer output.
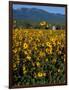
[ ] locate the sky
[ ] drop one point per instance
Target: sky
(51, 9)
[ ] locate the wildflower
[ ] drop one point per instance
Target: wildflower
(17, 44)
(59, 52)
(24, 70)
(38, 39)
(14, 65)
(20, 37)
(40, 74)
(48, 44)
(53, 41)
(26, 32)
(29, 51)
(43, 23)
(38, 59)
(25, 52)
(33, 64)
(43, 44)
(15, 50)
(49, 50)
(44, 74)
(64, 59)
(58, 70)
(35, 75)
(17, 61)
(40, 32)
(42, 54)
(38, 64)
(58, 43)
(28, 57)
(25, 45)
(54, 61)
(46, 59)
(35, 48)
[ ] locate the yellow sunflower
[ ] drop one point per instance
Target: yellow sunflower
(39, 74)
(25, 45)
(49, 50)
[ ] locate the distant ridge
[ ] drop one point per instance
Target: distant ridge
(36, 15)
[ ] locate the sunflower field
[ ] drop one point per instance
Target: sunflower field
(38, 57)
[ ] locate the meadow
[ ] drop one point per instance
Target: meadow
(38, 56)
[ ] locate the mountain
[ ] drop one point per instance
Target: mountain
(37, 15)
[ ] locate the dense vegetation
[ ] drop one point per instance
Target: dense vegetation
(26, 24)
(38, 56)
